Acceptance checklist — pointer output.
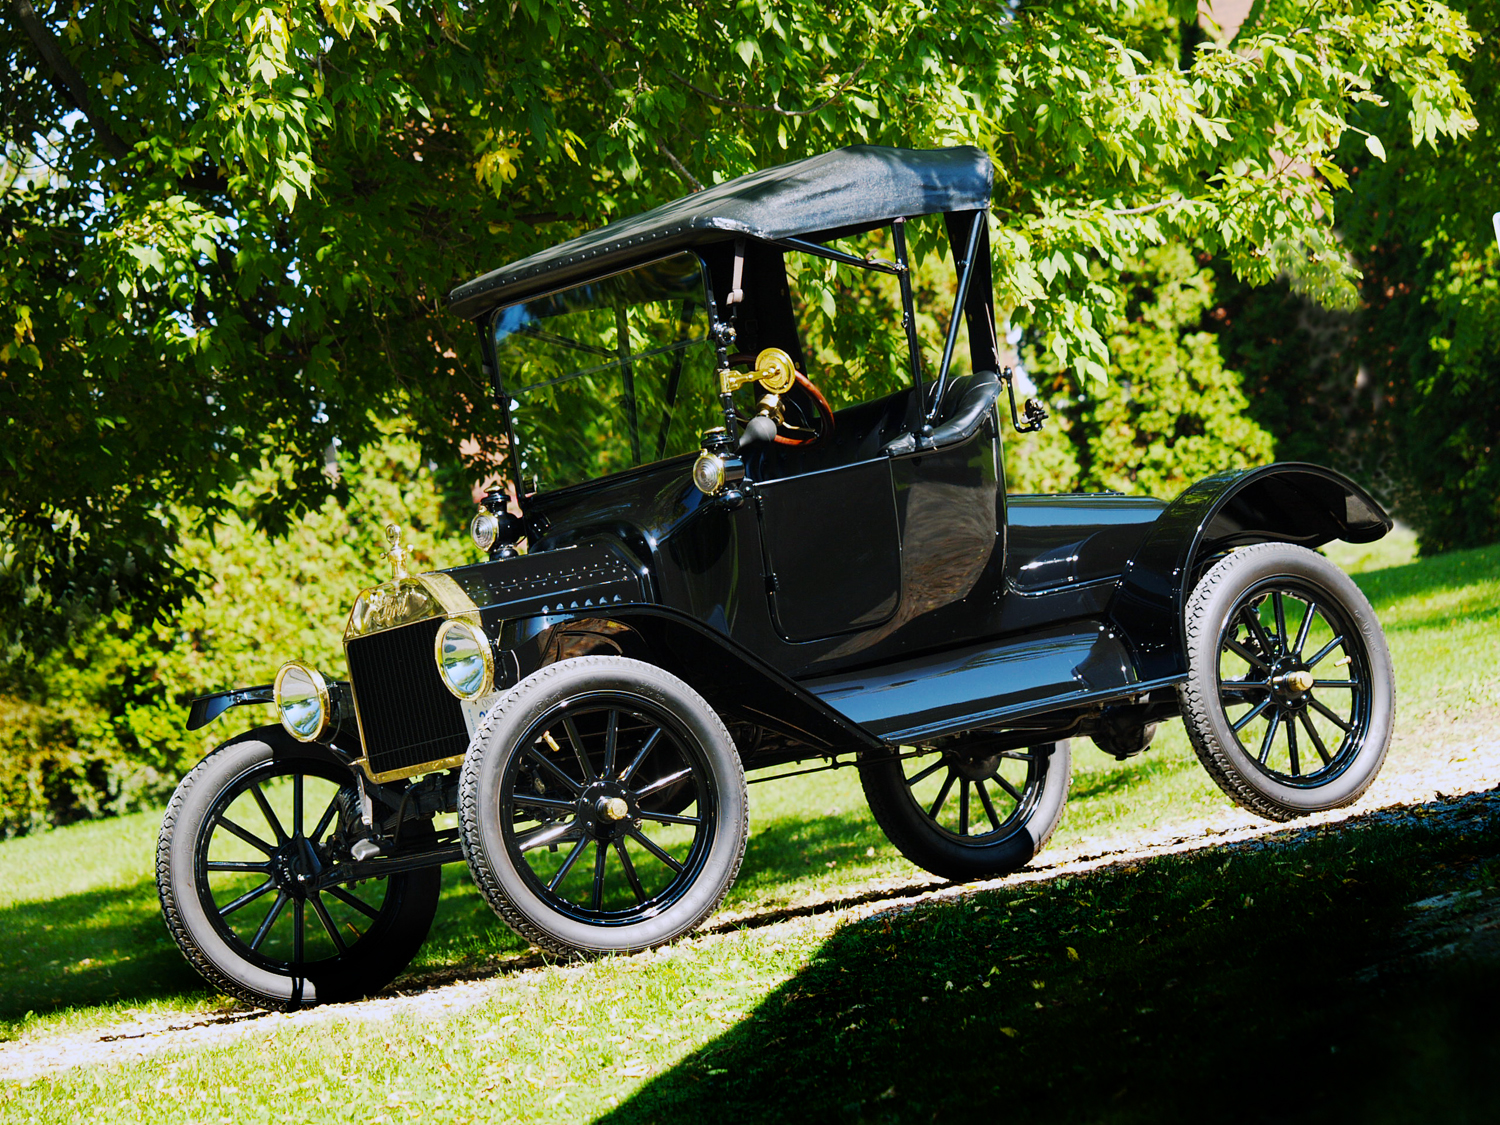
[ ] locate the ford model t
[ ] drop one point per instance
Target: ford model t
(722, 573)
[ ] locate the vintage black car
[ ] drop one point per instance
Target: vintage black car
(723, 574)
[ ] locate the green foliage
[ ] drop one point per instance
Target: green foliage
(96, 725)
(1172, 412)
(239, 249)
(1413, 401)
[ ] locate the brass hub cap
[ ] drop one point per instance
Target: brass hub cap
(1299, 681)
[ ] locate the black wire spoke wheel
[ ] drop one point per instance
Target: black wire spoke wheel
(1295, 682)
(975, 799)
(608, 808)
(964, 813)
(603, 807)
(251, 869)
(1289, 697)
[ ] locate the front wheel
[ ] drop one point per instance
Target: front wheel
(968, 814)
(1289, 697)
(250, 868)
(603, 807)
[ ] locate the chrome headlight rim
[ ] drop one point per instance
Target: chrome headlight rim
(319, 691)
(482, 646)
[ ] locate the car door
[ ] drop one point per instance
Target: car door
(831, 549)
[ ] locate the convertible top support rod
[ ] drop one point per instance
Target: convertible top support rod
(819, 250)
(966, 274)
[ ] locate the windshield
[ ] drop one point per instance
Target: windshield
(608, 375)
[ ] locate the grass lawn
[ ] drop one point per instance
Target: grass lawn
(1190, 979)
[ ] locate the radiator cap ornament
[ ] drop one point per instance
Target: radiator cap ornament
(396, 553)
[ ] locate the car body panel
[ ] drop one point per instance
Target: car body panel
(977, 685)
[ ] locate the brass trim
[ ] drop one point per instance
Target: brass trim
(494, 530)
(719, 472)
(486, 655)
(774, 370)
(1299, 681)
(392, 605)
(409, 771)
(451, 596)
(396, 552)
(325, 703)
(405, 601)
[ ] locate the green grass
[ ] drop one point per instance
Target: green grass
(726, 1019)
(1167, 988)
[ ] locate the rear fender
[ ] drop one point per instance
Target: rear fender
(1289, 502)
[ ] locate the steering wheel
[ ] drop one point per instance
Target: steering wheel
(806, 419)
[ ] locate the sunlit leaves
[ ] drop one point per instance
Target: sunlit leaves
(264, 269)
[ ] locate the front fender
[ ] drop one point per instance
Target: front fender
(735, 682)
(1288, 502)
(206, 708)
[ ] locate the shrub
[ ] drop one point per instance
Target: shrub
(95, 727)
(1172, 410)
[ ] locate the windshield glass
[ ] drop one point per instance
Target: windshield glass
(609, 375)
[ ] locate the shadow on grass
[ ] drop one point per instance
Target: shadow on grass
(1222, 985)
(96, 947)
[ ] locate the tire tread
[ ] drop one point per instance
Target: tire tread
(1196, 698)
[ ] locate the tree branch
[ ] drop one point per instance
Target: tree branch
(68, 78)
(828, 101)
(675, 77)
(1149, 207)
(691, 179)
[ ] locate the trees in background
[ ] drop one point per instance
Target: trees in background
(1171, 411)
(229, 228)
(94, 725)
(1427, 334)
(1400, 389)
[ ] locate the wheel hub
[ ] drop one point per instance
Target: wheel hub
(294, 872)
(975, 769)
(1290, 682)
(606, 809)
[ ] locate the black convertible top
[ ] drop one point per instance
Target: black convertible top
(838, 193)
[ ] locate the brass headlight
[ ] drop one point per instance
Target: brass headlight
(464, 659)
(483, 530)
(302, 701)
(708, 473)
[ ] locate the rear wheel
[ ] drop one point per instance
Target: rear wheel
(249, 869)
(965, 814)
(1289, 697)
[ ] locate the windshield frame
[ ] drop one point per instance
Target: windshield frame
(503, 397)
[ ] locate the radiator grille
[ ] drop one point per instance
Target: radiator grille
(406, 714)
